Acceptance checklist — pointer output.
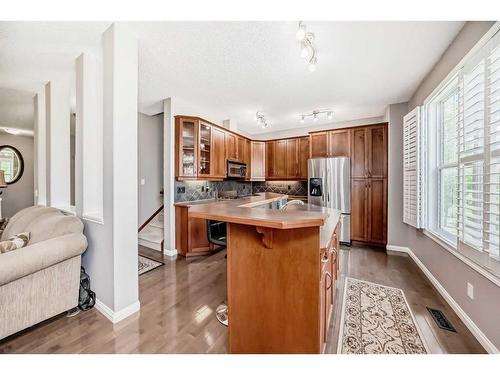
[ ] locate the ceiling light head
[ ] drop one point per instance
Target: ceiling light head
(329, 115)
(12, 131)
(301, 32)
(265, 125)
(304, 51)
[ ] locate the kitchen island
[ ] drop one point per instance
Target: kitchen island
(281, 273)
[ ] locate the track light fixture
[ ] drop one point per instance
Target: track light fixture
(307, 49)
(261, 120)
(314, 114)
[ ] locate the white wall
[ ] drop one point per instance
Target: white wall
(20, 194)
(150, 163)
(396, 229)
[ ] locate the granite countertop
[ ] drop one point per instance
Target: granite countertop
(248, 211)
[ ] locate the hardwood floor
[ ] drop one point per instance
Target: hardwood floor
(178, 301)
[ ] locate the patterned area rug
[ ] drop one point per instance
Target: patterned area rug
(376, 319)
(146, 264)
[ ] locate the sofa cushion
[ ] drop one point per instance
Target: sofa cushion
(15, 242)
(43, 223)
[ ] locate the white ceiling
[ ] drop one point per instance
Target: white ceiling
(230, 70)
(16, 109)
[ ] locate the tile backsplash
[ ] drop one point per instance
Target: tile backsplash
(282, 187)
(196, 190)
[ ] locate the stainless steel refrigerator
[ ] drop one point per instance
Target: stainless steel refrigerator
(329, 185)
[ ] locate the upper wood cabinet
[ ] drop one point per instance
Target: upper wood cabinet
(359, 150)
(186, 147)
(377, 151)
(204, 150)
(318, 143)
(231, 146)
(270, 159)
(218, 153)
(280, 159)
(339, 142)
(292, 158)
(303, 156)
(258, 161)
(240, 148)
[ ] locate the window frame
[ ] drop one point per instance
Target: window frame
(434, 159)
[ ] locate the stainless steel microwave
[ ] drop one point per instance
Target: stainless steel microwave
(236, 169)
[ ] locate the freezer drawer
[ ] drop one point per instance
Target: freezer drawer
(345, 229)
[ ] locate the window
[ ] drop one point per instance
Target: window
(463, 158)
(442, 143)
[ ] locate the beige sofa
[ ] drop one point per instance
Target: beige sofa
(42, 279)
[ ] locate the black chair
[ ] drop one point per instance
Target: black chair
(216, 233)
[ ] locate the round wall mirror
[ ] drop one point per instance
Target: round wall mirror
(12, 163)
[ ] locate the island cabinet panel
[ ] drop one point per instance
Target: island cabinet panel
(231, 146)
(270, 147)
(339, 142)
(258, 161)
(359, 209)
(303, 156)
(190, 234)
(280, 159)
(292, 158)
(318, 143)
(218, 153)
(274, 293)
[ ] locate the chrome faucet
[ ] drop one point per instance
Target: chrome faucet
(289, 203)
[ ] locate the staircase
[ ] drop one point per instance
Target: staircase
(151, 234)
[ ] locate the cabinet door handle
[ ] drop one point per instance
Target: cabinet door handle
(331, 279)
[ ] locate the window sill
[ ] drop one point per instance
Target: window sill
(450, 247)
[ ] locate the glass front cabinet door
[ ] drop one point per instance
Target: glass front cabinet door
(204, 154)
(187, 140)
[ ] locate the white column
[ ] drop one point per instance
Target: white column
(57, 103)
(40, 151)
(168, 178)
(120, 63)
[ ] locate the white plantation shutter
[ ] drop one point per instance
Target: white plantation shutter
(412, 169)
(492, 151)
(479, 157)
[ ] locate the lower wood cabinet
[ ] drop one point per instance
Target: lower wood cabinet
(190, 234)
(369, 210)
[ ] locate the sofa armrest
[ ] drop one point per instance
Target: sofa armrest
(30, 259)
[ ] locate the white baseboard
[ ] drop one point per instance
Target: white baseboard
(116, 316)
(478, 334)
(170, 253)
